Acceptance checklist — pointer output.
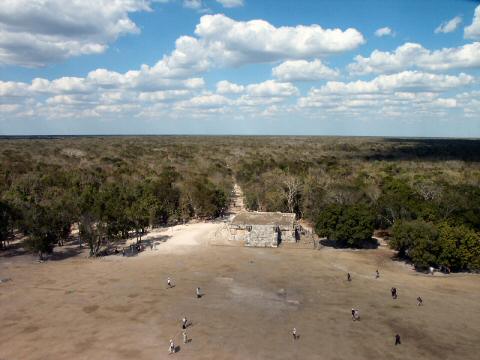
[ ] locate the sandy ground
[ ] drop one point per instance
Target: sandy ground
(120, 308)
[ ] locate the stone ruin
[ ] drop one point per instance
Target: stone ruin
(264, 229)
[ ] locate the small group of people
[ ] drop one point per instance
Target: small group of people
(356, 314)
(172, 348)
(132, 249)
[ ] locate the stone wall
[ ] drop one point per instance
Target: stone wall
(287, 235)
(237, 233)
(261, 236)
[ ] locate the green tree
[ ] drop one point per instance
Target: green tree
(460, 248)
(42, 230)
(417, 241)
(397, 202)
(348, 225)
(6, 223)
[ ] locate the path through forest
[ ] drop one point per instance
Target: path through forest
(237, 204)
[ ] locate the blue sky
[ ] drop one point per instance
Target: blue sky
(393, 68)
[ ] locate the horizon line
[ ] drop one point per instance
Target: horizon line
(4, 136)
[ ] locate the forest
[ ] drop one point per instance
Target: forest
(422, 195)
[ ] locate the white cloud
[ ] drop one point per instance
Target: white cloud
(302, 70)
(384, 31)
(409, 92)
(226, 87)
(13, 89)
(473, 30)
(411, 55)
(412, 81)
(157, 96)
(448, 102)
(449, 26)
(272, 88)
(206, 101)
(192, 4)
(35, 33)
(230, 3)
(228, 42)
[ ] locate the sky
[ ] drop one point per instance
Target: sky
(246, 67)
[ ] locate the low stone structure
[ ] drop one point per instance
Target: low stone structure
(264, 229)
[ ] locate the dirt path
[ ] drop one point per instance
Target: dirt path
(237, 204)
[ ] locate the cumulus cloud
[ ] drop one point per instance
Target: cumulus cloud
(302, 70)
(230, 3)
(413, 81)
(272, 88)
(35, 33)
(449, 26)
(384, 31)
(412, 93)
(102, 92)
(269, 88)
(472, 31)
(206, 101)
(411, 55)
(226, 87)
(225, 41)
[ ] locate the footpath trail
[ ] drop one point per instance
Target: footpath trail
(237, 203)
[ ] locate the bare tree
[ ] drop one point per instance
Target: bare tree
(428, 190)
(293, 188)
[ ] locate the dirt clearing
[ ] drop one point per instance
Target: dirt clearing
(121, 308)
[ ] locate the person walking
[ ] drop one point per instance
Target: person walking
(377, 274)
(198, 292)
(294, 333)
(393, 290)
(353, 314)
(171, 348)
(184, 323)
(419, 301)
(169, 282)
(349, 277)
(397, 340)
